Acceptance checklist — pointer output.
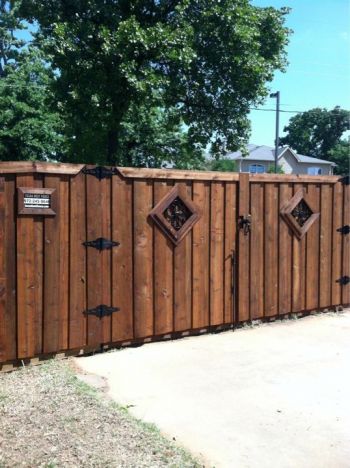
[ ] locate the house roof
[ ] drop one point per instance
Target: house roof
(267, 153)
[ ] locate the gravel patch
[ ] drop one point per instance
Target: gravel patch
(50, 418)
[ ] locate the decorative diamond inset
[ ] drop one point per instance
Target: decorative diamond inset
(175, 215)
(298, 214)
(301, 212)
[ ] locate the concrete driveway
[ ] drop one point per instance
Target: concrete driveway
(277, 395)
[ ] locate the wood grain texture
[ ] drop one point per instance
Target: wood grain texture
(18, 167)
(337, 242)
(183, 274)
(298, 265)
(77, 262)
(163, 271)
(143, 259)
(29, 278)
(346, 244)
(313, 250)
(271, 250)
(175, 174)
(217, 246)
(56, 266)
(285, 255)
(243, 283)
(325, 264)
(8, 310)
(98, 262)
(257, 251)
(230, 250)
(122, 259)
(200, 285)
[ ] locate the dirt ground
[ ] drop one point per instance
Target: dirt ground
(49, 418)
(272, 396)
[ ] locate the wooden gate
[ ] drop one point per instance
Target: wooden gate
(134, 254)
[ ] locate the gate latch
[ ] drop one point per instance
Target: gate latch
(245, 222)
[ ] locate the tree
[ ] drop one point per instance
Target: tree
(202, 63)
(29, 130)
(340, 154)
(317, 132)
(222, 165)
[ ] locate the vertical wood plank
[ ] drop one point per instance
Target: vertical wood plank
(230, 249)
(298, 292)
(271, 249)
(337, 208)
(98, 262)
(325, 245)
(163, 270)
(346, 244)
(122, 286)
(285, 254)
(29, 277)
(183, 274)
(313, 250)
(257, 251)
(143, 259)
(77, 262)
(243, 283)
(56, 263)
(4, 325)
(7, 269)
(200, 288)
(217, 244)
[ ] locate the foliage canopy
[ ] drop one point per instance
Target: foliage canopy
(318, 132)
(147, 82)
(29, 128)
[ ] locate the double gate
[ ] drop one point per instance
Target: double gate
(92, 256)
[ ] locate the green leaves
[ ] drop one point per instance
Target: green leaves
(29, 130)
(125, 69)
(316, 132)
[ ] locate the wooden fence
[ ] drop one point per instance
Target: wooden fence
(128, 254)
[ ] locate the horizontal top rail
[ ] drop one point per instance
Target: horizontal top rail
(146, 173)
(13, 167)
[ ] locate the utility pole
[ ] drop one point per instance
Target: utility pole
(277, 140)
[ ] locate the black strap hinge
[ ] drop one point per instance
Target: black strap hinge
(344, 229)
(101, 311)
(100, 172)
(344, 280)
(101, 243)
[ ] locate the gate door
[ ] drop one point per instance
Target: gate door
(293, 250)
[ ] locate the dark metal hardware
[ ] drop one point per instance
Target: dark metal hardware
(345, 180)
(177, 213)
(101, 311)
(245, 222)
(344, 280)
(100, 172)
(344, 229)
(101, 243)
(301, 212)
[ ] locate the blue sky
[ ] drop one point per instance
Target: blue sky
(318, 74)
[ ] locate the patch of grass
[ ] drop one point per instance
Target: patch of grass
(50, 409)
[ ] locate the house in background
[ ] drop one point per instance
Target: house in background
(261, 158)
